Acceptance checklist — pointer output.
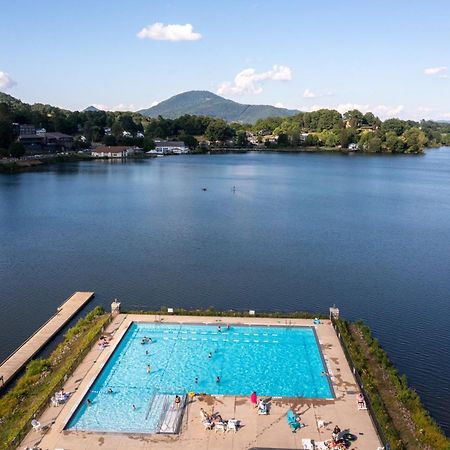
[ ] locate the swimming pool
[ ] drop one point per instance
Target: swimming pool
(273, 361)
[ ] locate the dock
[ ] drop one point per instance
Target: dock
(20, 357)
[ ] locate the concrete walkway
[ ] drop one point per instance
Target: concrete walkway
(269, 432)
(14, 363)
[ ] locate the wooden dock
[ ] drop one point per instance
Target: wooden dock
(17, 360)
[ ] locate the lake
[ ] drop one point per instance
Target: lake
(368, 233)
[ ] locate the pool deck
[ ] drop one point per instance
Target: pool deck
(17, 360)
(257, 432)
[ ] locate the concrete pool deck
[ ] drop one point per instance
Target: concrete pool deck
(257, 431)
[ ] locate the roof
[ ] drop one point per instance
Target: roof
(169, 144)
(56, 135)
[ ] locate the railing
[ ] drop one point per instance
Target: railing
(360, 382)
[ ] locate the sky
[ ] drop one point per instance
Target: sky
(390, 57)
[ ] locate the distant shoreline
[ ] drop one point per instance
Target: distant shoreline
(28, 165)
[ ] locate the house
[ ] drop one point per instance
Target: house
(139, 134)
(40, 131)
(302, 137)
(353, 147)
(126, 134)
(116, 151)
(169, 147)
(107, 131)
(26, 129)
(47, 142)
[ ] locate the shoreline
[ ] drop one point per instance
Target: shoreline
(35, 164)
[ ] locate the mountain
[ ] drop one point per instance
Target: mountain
(90, 109)
(205, 103)
(9, 99)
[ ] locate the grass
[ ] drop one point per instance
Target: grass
(397, 407)
(43, 377)
(209, 312)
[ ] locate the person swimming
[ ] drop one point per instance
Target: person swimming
(196, 380)
(110, 391)
(210, 355)
(149, 368)
(217, 379)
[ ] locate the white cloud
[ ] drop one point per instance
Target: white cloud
(160, 32)
(248, 81)
(310, 94)
(442, 70)
(6, 82)
(119, 107)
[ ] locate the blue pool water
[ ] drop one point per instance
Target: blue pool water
(273, 361)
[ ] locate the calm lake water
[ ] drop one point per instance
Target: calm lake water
(300, 232)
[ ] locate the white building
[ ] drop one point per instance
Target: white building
(169, 148)
(116, 151)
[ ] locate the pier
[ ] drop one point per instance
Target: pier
(17, 360)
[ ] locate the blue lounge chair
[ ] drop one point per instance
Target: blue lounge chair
(292, 421)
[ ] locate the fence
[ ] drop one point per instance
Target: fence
(358, 379)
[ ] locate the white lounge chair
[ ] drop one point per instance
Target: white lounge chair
(36, 425)
(321, 446)
(220, 426)
(263, 409)
(308, 444)
(233, 424)
(207, 424)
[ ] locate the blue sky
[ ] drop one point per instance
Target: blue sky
(392, 57)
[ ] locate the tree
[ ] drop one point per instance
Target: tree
(354, 118)
(16, 150)
(374, 145)
(109, 139)
(242, 140)
(283, 140)
(189, 140)
(415, 140)
(394, 143)
(396, 125)
(218, 130)
(311, 140)
(116, 129)
(6, 134)
(149, 144)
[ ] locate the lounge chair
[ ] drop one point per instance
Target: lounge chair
(233, 424)
(36, 425)
(207, 424)
(361, 402)
(321, 445)
(262, 408)
(293, 421)
(308, 444)
(54, 402)
(220, 426)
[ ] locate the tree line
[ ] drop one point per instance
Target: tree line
(323, 128)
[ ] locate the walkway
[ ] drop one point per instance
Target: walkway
(14, 363)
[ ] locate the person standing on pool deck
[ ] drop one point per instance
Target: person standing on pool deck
(254, 399)
(177, 401)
